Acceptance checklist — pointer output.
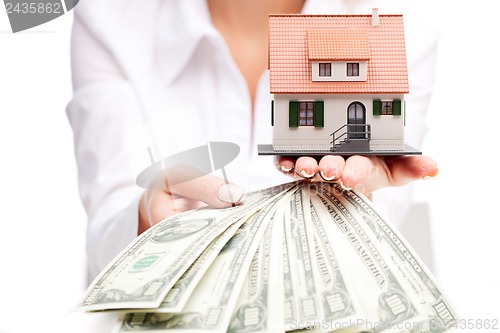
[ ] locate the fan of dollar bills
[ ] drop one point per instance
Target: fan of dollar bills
(296, 256)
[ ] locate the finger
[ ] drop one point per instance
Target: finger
(306, 167)
(331, 167)
(153, 208)
(159, 206)
(409, 168)
(284, 164)
(357, 170)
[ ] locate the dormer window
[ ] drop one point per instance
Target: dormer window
(325, 69)
(353, 69)
(338, 71)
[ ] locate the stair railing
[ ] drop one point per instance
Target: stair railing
(336, 138)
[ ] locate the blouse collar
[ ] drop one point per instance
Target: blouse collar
(183, 25)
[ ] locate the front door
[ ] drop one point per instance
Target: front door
(356, 114)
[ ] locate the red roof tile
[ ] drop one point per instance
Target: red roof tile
(337, 44)
(296, 39)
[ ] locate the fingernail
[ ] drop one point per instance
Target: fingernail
(304, 174)
(229, 193)
(285, 169)
(428, 177)
(325, 177)
(345, 188)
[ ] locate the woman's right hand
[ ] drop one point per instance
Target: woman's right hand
(164, 200)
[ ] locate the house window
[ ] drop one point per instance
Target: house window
(353, 69)
(325, 69)
(306, 113)
(387, 108)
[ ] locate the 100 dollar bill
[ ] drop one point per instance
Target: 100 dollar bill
(385, 302)
(421, 284)
(211, 305)
(302, 302)
(260, 304)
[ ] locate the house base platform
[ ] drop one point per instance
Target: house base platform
(267, 149)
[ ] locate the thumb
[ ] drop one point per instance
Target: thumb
(406, 169)
(208, 188)
(157, 204)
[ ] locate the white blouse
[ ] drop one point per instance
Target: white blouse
(158, 74)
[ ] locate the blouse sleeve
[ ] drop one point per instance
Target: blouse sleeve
(110, 146)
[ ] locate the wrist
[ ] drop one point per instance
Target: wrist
(143, 215)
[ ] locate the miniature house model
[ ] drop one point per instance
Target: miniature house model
(338, 83)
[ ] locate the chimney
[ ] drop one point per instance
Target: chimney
(375, 19)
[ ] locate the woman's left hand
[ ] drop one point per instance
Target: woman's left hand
(363, 173)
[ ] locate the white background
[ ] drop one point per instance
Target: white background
(42, 260)
(42, 231)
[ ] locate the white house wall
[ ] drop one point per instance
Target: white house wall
(387, 131)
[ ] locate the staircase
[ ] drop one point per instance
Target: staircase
(352, 145)
(355, 138)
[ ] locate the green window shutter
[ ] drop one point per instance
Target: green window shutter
(272, 113)
(319, 114)
(377, 107)
(293, 114)
(396, 107)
